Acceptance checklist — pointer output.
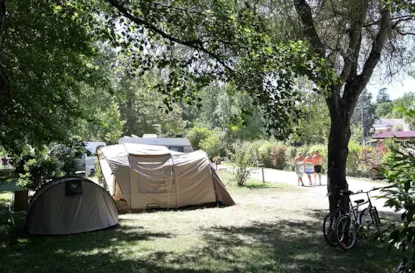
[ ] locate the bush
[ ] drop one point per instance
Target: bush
(265, 154)
(35, 167)
(353, 165)
(197, 135)
(213, 145)
(279, 157)
(372, 162)
(401, 171)
(245, 156)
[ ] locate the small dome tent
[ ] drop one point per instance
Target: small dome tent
(70, 205)
(147, 176)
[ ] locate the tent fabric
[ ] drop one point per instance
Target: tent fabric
(70, 205)
(153, 176)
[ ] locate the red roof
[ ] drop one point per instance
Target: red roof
(398, 134)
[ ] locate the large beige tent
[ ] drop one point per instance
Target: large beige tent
(70, 205)
(147, 176)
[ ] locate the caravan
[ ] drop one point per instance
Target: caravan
(77, 163)
(179, 144)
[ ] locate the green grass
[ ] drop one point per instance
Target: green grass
(262, 233)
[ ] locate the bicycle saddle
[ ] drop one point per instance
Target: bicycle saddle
(346, 192)
(359, 201)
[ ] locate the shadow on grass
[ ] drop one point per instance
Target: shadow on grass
(280, 245)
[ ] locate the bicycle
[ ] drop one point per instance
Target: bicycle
(351, 224)
(329, 222)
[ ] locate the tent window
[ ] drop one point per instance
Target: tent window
(156, 182)
(73, 187)
(153, 178)
(176, 148)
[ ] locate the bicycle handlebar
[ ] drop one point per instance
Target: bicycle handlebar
(375, 189)
(382, 188)
(361, 191)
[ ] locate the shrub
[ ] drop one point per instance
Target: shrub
(353, 159)
(279, 157)
(372, 162)
(400, 170)
(35, 167)
(265, 154)
(213, 145)
(245, 156)
(196, 135)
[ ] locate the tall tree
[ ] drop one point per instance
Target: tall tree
(353, 35)
(46, 58)
(233, 40)
(383, 96)
(364, 114)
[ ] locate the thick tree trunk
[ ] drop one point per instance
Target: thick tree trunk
(337, 157)
(338, 148)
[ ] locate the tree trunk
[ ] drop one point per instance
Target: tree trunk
(337, 153)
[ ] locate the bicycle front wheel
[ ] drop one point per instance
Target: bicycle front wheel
(346, 232)
(329, 227)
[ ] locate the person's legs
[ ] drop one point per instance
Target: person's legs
(301, 180)
(309, 179)
(317, 171)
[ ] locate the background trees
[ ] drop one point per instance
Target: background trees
(364, 114)
(169, 54)
(46, 59)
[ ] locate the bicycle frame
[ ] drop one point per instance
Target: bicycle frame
(370, 208)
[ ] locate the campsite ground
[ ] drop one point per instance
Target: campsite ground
(274, 227)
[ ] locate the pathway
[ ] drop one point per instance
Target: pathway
(355, 184)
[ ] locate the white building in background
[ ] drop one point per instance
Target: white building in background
(384, 125)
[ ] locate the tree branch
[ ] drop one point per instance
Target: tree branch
(196, 44)
(377, 47)
(355, 85)
(404, 33)
(304, 12)
(399, 20)
(355, 38)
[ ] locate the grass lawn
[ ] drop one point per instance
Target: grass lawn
(270, 230)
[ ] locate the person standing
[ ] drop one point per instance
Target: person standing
(318, 162)
(309, 167)
(299, 168)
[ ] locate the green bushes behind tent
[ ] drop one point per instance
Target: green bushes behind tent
(363, 161)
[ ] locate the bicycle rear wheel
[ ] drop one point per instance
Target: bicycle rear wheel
(346, 232)
(329, 228)
(365, 220)
(375, 217)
